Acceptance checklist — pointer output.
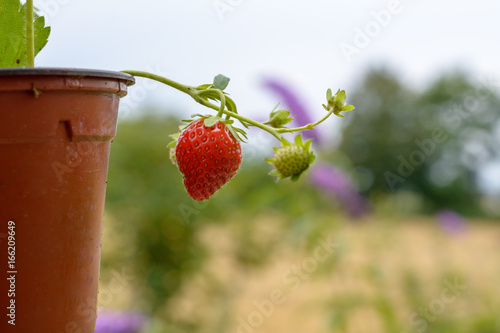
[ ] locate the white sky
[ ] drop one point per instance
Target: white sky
(299, 41)
(296, 40)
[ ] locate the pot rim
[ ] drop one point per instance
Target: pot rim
(67, 72)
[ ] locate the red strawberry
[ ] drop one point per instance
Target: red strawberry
(208, 157)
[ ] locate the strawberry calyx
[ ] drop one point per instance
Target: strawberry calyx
(209, 121)
(337, 103)
(292, 159)
(279, 118)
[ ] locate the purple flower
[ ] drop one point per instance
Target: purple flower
(451, 222)
(119, 322)
(291, 100)
(334, 181)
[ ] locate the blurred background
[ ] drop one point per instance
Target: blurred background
(394, 229)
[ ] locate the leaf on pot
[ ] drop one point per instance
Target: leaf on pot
(13, 47)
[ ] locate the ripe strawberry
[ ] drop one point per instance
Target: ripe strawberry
(208, 157)
(292, 160)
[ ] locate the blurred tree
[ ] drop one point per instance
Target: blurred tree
(430, 142)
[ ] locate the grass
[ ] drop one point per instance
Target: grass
(381, 275)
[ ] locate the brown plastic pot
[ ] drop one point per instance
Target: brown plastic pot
(56, 127)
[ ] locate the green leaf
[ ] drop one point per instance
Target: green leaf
(340, 97)
(175, 136)
(329, 94)
(41, 34)
(285, 142)
(240, 131)
(274, 172)
(228, 121)
(12, 31)
(348, 108)
(210, 94)
(173, 143)
(312, 158)
(298, 140)
(210, 121)
(307, 144)
(279, 118)
(13, 47)
(221, 82)
(204, 86)
(235, 134)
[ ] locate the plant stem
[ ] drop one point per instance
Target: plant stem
(197, 96)
(179, 86)
(215, 93)
(201, 96)
(30, 34)
(254, 123)
(306, 127)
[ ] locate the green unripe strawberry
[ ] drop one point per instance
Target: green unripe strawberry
(292, 160)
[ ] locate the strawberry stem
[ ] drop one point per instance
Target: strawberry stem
(181, 87)
(308, 126)
(220, 94)
(203, 94)
(254, 123)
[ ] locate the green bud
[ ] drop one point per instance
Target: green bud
(337, 103)
(279, 118)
